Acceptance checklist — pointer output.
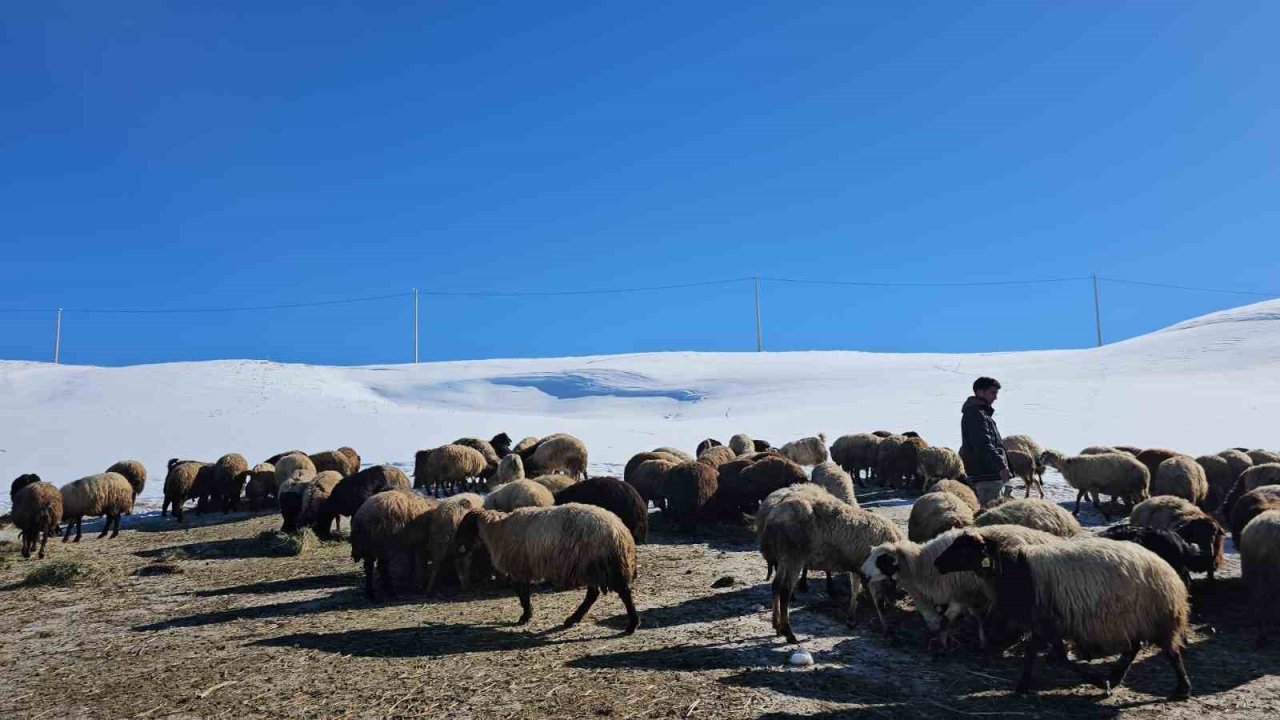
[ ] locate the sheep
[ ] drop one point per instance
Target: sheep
(883, 433)
(554, 482)
(180, 483)
(1254, 477)
(727, 502)
(316, 492)
(1104, 596)
(290, 464)
(741, 444)
(818, 532)
(1250, 505)
(22, 481)
(1098, 450)
(1117, 474)
(679, 455)
(1028, 445)
(1169, 512)
(350, 492)
(1263, 457)
(960, 490)
(745, 489)
(378, 535)
(572, 546)
(716, 456)
(229, 473)
(1182, 477)
(525, 444)
(134, 472)
(518, 494)
(759, 445)
(909, 565)
(262, 484)
(501, 444)
(558, 453)
(1152, 457)
(630, 468)
(1260, 565)
(336, 461)
(353, 458)
(447, 467)
(107, 494)
(615, 496)
(908, 458)
(702, 446)
(687, 487)
(510, 468)
(1217, 473)
(276, 458)
(290, 497)
(938, 463)
(834, 480)
(935, 513)
(856, 454)
(649, 479)
(1023, 466)
(1171, 548)
(889, 456)
(37, 511)
(437, 530)
(1033, 513)
(1238, 460)
(484, 448)
(807, 451)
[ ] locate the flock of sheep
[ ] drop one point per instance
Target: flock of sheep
(528, 512)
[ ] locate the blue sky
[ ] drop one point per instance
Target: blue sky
(160, 156)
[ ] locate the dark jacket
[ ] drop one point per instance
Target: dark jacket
(981, 448)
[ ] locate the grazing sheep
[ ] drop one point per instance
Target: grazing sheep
(571, 546)
(1182, 477)
(1260, 565)
(760, 445)
(741, 444)
(180, 484)
(37, 510)
(1023, 466)
(481, 446)
(447, 468)
(749, 485)
(554, 482)
(938, 463)
(679, 455)
(702, 446)
(1171, 548)
(1028, 445)
(262, 485)
(935, 513)
(289, 498)
(288, 466)
(1254, 477)
(316, 492)
(687, 487)
(108, 494)
(775, 498)
(276, 458)
(1033, 513)
(615, 496)
(438, 529)
(727, 503)
(818, 532)
(518, 494)
(960, 490)
(889, 456)
(501, 444)
(134, 472)
(909, 456)
(558, 453)
(807, 451)
(1238, 461)
(1104, 596)
(1117, 474)
(834, 480)
(22, 481)
(1264, 457)
(856, 454)
(1152, 457)
(352, 456)
(525, 445)
(649, 479)
(336, 461)
(351, 492)
(1217, 473)
(378, 536)
(638, 458)
(1250, 505)
(716, 456)
(1169, 512)
(229, 475)
(510, 469)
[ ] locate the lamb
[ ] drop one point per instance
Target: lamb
(351, 492)
(1032, 513)
(1119, 475)
(554, 482)
(1024, 466)
(378, 536)
(649, 479)
(716, 456)
(1263, 457)
(1104, 596)
(262, 485)
(935, 513)
(134, 472)
(1168, 512)
(437, 530)
(856, 454)
(1171, 548)
(180, 483)
(1182, 477)
(1217, 473)
(707, 443)
(1028, 445)
(572, 546)
(501, 444)
(679, 455)
(615, 496)
(818, 532)
(960, 490)
(834, 480)
(1152, 457)
(1250, 505)
(107, 494)
(741, 444)
(510, 468)
(37, 511)
(447, 468)
(525, 444)
(938, 463)
(1260, 565)
(229, 475)
(334, 460)
(314, 495)
(558, 453)
(518, 494)
(288, 466)
(807, 451)
(687, 487)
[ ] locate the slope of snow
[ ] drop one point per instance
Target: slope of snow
(1198, 386)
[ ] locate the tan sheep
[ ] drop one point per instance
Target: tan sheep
(960, 490)
(134, 472)
(518, 494)
(555, 482)
(832, 478)
(935, 513)
(1260, 565)
(717, 456)
(510, 468)
(290, 465)
(336, 461)
(1024, 467)
(378, 537)
(108, 494)
(856, 454)
(741, 444)
(314, 495)
(1217, 472)
(447, 468)
(649, 480)
(436, 530)
(1264, 457)
(1182, 477)
(37, 510)
(262, 484)
(559, 453)
(807, 451)
(1033, 513)
(938, 463)
(1117, 474)
(525, 444)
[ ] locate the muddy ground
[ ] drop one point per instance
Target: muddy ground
(210, 621)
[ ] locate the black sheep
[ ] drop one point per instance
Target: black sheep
(708, 443)
(615, 496)
(1179, 553)
(501, 444)
(352, 491)
(688, 487)
(22, 481)
(761, 445)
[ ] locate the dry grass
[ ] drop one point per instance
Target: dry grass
(61, 573)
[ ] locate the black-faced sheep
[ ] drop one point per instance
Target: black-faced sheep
(615, 496)
(134, 472)
(262, 485)
(37, 510)
(351, 492)
(1168, 512)
(1104, 596)
(760, 445)
(687, 487)
(570, 546)
(1033, 513)
(835, 480)
(447, 468)
(1171, 548)
(807, 451)
(935, 513)
(1182, 477)
(716, 456)
(336, 461)
(518, 494)
(378, 537)
(707, 443)
(741, 444)
(437, 530)
(558, 453)
(1117, 474)
(501, 444)
(1250, 505)
(108, 494)
(1260, 565)
(960, 490)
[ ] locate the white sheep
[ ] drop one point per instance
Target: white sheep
(935, 513)
(1117, 474)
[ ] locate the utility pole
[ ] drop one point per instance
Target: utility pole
(415, 326)
(759, 336)
(57, 337)
(1097, 310)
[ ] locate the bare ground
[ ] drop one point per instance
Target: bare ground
(210, 621)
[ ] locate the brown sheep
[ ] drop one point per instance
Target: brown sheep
(262, 485)
(229, 475)
(649, 479)
(37, 510)
(378, 536)
(716, 456)
(134, 472)
(447, 468)
(436, 531)
(336, 461)
(558, 453)
(353, 456)
(687, 488)
(1250, 505)
(1152, 457)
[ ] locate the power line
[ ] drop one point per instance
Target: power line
(609, 291)
(247, 308)
(868, 283)
(1187, 287)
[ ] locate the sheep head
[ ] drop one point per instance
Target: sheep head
(967, 552)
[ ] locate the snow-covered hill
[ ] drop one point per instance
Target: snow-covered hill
(1198, 386)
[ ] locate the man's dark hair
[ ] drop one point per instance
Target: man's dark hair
(985, 383)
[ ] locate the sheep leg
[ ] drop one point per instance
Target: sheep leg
(633, 617)
(66, 534)
(1034, 643)
(523, 589)
(26, 544)
(804, 580)
(1183, 691)
(116, 532)
(368, 579)
(106, 526)
(79, 528)
(831, 586)
(384, 574)
(44, 542)
(783, 603)
(1079, 497)
(593, 593)
(1121, 668)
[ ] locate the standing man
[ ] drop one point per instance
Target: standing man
(981, 448)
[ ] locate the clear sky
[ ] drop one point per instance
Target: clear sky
(218, 155)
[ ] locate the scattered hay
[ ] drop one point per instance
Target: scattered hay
(299, 543)
(159, 567)
(9, 551)
(61, 573)
(6, 519)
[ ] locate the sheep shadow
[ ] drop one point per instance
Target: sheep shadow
(292, 608)
(728, 535)
(687, 658)
(152, 522)
(425, 641)
(709, 608)
(227, 549)
(269, 587)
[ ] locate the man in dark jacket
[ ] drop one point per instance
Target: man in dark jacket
(981, 448)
